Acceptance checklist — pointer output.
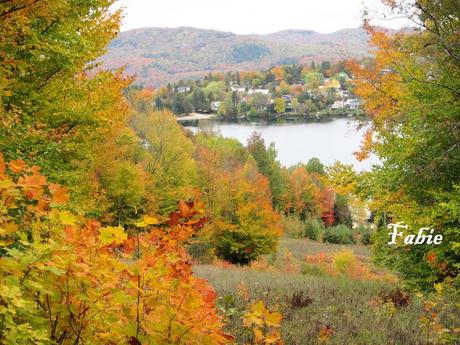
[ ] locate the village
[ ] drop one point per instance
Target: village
(288, 91)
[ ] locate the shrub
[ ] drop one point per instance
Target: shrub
(311, 270)
(292, 226)
(339, 234)
(314, 229)
(202, 251)
(365, 233)
(343, 261)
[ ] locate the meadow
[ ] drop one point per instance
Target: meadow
(318, 307)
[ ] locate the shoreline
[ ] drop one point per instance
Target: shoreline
(194, 118)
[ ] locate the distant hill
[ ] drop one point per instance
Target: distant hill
(160, 55)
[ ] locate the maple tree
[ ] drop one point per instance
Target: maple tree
(55, 111)
(168, 159)
(238, 200)
(303, 197)
(68, 280)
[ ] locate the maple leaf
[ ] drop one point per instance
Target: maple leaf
(109, 235)
(17, 166)
(60, 194)
(146, 221)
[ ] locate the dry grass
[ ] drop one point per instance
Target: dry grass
(313, 303)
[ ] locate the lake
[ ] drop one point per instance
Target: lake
(331, 141)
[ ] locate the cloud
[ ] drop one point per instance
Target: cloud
(250, 16)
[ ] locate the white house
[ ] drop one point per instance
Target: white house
(262, 91)
(343, 94)
(352, 103)
(338, 105)
(183, 89)
(215, 106)
(238, 89)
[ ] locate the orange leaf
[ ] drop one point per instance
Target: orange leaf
(60, 195)
(17, 166)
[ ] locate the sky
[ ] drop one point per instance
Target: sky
(251, 16)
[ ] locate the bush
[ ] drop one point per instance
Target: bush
(365, 233)
(339, 234)
(242, 246)
(344, 261)
(310, 270)
(292, 226)
(314, 229)
(201, 251)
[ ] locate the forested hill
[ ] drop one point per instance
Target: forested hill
(161, 55)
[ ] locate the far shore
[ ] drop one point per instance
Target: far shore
(195, 116)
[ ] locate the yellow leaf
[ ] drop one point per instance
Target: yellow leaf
(8, 229)
(146, 221)
(67, 218)
(109, 235)
(273, 319)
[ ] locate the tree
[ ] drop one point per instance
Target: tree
(260, 102)
(169, 160)
(411, 92)
(55, 109)
(303, 199)
(280, 105)
(314, 166)
(181, 104)
(199, 101)
(313, 80)
(269, 167)
(295, 105)
(159, 103)
(238, 200)
(139, 289)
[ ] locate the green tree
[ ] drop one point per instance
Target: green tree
(199, 101)
(314, 165)
(270, 167)
(181, 104)
(411, 91)
(55, 109)
(313, 80)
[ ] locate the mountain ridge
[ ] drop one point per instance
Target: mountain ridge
(160, 55)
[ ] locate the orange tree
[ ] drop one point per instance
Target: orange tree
(411, 92)
(238, 200)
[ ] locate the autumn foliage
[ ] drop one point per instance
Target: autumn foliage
(69, 280)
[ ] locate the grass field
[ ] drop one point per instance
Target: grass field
(356, 311)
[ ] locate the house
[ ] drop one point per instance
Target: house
(215, 106)
(183, 89)
(338, 105)
(238, 89)
(261, 91)
(352, 103)
(343, 94)
(287, 100)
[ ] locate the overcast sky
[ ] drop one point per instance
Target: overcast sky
(250, 16)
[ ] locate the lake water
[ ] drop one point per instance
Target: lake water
(331, 141)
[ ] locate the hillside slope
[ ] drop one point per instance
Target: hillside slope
(159, 55)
